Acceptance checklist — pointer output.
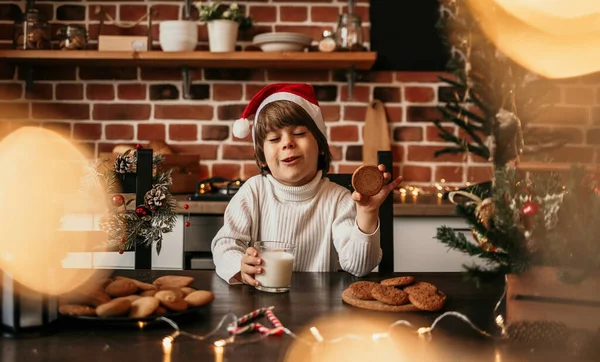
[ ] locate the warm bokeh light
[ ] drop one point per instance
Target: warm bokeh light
(554, 38)
(41, 183)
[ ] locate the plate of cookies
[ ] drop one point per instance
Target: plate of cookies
(399, 294)
(126, 300)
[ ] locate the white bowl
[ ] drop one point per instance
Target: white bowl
(282, 37)
(280, 47)
(178, 35)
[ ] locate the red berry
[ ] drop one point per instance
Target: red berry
(120, 251)
(186, 206)
(118, 200)
(123, 240)
(530, 208)
(187, 224)
(138, 146)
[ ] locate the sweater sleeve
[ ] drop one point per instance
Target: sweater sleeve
(232, 240)
(359, 253)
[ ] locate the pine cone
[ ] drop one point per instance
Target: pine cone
(123, 164)
(154, 199)
(538, 333)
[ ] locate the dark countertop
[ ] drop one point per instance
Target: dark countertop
(422, 205)
(313, 295)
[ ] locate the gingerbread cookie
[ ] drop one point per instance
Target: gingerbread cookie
(173, 281)
(141, 285)
(78, 310)
(199, 297)
(367, 180)
(389, 295)
(420, 287)
(170, 300)
(362, 290)
(428, 301)
(121, 288)
(91, 296)
(115, 307)
(187, 290)
(143, 307)
(398, 281)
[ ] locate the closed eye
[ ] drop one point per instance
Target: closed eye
(273, 139)
(299, 133)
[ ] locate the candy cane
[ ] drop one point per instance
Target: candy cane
(238, 327)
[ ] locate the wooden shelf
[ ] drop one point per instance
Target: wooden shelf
(195, 59)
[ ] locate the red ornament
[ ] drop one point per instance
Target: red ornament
(120, 251)
(142, 211)
(123, 240)
(138, 146)
(186, 206)
(187, 224)
(530, 208)
(118, 200)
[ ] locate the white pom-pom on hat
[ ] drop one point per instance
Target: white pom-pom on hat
(241, 128)
(301, 94)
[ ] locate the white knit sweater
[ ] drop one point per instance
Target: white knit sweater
(314, 217)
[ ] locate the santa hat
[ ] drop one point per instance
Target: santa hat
(301, 94)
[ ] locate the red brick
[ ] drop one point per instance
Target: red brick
(192, 112)
(422, 114)
(121, 112)
(479, 174)
(354, 113)
(408, 134)
(76, 111)
(566, 115)
(421, 77)
(377, 76)
(593, 136)
(416, 174)
(118, 132)
(69, 91)
(394, 114)
(226, 170)
(296, 75)
(87, 131)
(336, 152)
(215, 133)
(579, 95)
(62, 128)
(252, 89)
(7, 70)
(572, 154)
(100, 92)
(347, 168)
(163, 12)
(163, 74)
(425, 154)
(226, 92)
(132, 91)
(249, 170)
(203, 172)
(293, 13)
(463, 135)
(449, 173)
(11, 91)
(40, 91)
(183, 132)
(397, 153)
(49, 73)
(324, 14)
(330, 113)
(267, 14)
(432, 133)
(151, 132)
(15, 111)
(360, 94)
(208, 152)
(343, 133)
(419, 94)
(237, 152)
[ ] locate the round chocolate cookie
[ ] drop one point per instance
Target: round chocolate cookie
(398, 281)
(428, 301)
(362, 290)
(389, 295)
(367, 180)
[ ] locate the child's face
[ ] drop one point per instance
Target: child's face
(292, 153)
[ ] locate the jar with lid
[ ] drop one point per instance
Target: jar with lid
(327, 43)
(31, 31)
(348, 35)
(72, 37)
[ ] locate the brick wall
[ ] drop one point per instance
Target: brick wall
(101, 107)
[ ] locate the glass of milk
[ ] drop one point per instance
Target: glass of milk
(278, 263)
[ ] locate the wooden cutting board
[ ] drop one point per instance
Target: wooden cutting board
(376, 133)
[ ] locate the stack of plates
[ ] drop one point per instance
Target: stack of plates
(282, 42)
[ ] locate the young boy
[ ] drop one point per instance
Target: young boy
(291, 200)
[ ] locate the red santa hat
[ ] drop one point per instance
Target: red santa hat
(301, 94)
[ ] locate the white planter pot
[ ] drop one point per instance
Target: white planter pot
(222, 35)
(178, 35)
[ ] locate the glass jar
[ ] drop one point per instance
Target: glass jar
(32, 31)
(348, 35)
(327, 43)
(72, 37)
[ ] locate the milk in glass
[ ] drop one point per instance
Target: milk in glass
(277, 269)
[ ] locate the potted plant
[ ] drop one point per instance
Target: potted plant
(223, 24)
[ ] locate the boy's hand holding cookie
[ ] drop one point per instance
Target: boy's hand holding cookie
(371, 188)
(250, 266)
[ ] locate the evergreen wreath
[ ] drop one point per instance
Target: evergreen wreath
(140, 225)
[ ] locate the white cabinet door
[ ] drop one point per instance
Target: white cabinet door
(417, 250)
(171, 253)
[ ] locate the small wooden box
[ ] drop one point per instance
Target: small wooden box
(538, 295)
(123, 43)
